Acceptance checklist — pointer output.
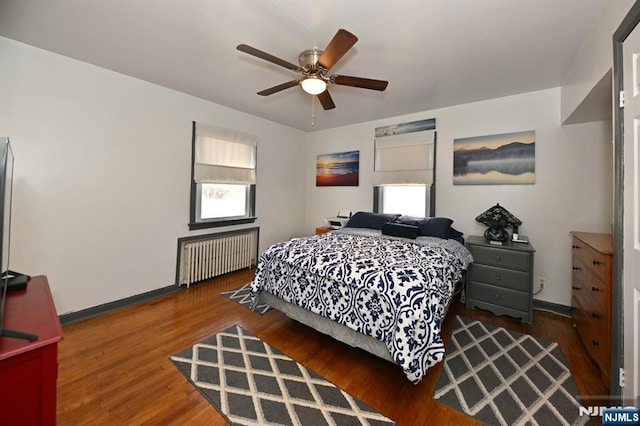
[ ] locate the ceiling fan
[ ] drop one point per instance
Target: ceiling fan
(314, 64)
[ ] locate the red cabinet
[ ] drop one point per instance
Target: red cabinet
(28, 370)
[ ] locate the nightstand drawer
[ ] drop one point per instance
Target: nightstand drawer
(506, 278)
(500, 296)
(499, 257)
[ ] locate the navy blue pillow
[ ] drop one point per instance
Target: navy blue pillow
(429, 226)
(410, 220)
(454, 234)
(401, 230)
(370, 220)
(436, 227)
(433, 227)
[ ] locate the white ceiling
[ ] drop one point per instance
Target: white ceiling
(434, 53)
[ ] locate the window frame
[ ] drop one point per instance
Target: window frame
(195, 221)
(430, 184)
(429, 208)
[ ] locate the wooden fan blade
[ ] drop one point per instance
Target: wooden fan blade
(326, 101)
(364, 83)
(267, 57)
(278, 88)
(338, 46)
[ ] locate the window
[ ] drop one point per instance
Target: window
(223, 177)
(409, 200)
(403, 174)
(220, 200)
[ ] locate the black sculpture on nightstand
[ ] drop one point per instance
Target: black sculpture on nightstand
(497, 218)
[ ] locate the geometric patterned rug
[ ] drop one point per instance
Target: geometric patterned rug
(503, 377)
(243, 297)
(250, 382)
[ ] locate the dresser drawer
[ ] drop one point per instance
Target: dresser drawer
(592, 311)
(595, 261)
(592, 255)
(506, 278)
(512, 299)
(590, 289)
(501, 258)
(581, 277)
(595, 334)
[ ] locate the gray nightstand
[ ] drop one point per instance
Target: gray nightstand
(501, 278)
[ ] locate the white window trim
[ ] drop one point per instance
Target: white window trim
(232, 162)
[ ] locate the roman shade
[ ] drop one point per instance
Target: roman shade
(224, 156)
(405, 159)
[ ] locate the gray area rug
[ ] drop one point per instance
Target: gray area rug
(242, 296)
(502, 377)
(250, 382)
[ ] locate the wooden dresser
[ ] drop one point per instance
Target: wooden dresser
(591, 295)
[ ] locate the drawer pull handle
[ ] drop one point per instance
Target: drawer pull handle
(596, 262)
(576, 268)
(575, 246)
(595, 289)
(594, 343)
(594, 315)
(498, 277)
(497, 296)
(498, 257)
(573, 287)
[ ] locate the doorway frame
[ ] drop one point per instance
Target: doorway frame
(630, 21)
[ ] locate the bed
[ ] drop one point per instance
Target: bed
(382, 283)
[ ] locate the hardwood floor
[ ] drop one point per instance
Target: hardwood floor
(115, 369)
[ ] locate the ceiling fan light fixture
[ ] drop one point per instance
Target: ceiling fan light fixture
(313, 65)
(313, 85)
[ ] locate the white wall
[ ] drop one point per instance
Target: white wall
(101, 190)
(102, 170)
(573, 189)
(594, 59)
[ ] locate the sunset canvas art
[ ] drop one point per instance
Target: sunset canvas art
(338, 169)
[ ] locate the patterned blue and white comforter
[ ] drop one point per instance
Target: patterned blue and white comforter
(393, 289)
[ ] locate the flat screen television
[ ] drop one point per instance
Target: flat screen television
(9, 280)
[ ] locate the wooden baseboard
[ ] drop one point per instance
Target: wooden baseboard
(115, 305)
(556, 308)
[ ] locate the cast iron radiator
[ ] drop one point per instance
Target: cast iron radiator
(211, 255)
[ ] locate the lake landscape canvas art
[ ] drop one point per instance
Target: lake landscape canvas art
(507, 158)
(338, 169)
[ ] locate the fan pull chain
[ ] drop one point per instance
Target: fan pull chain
(313, 111)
